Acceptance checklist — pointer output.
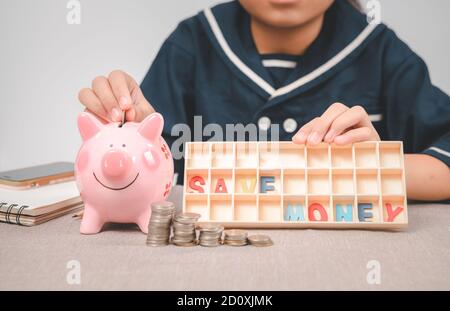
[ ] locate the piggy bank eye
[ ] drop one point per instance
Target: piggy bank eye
(123, 145)
(111, 145)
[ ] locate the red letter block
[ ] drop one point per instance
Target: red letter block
(317, 207)
(221, 186)
(197, 180)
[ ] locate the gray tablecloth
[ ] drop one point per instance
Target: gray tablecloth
(42, 257)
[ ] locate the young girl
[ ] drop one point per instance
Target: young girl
(315, 67)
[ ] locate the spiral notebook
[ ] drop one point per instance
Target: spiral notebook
(37, 205)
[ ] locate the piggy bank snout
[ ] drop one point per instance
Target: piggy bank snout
(115, 163)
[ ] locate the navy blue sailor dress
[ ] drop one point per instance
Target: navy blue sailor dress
(210, 70)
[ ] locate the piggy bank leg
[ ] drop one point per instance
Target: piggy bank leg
(143, 221)
(92, 222)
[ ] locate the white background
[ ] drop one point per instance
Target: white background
(44, 61)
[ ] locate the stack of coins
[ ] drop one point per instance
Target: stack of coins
(235, 237)
(260, 240)
(159, 225)
(210, 235)
(184, 229)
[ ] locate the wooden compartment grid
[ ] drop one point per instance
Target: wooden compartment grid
(363, 175)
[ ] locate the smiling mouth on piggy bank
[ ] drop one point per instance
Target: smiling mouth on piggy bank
(112, 188)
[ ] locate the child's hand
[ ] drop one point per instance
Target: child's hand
(339, 124)
(111, 95)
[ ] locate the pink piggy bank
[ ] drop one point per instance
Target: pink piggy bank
(120, 171)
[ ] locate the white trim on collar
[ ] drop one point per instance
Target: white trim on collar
(233, 57)
(439, 150)
(375, 117)
(296, 84)
(279, 63)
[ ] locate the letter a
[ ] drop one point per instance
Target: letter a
(221, 186)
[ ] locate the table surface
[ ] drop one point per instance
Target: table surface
(36, 258)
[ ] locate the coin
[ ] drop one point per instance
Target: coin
(210, 228)
(160, 223)
(188, 218)
(260, 240)
(184, 233)
(163, 206)
(210, 235)
(123, 119)
(235, 237)
(185, 244)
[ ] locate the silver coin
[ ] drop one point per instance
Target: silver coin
(235, 237)
(158, 215)
(208, 245)
(235, 233)
(181, 230)
(159, 227)
(206, 241)
(163, 205)
(183, 233)
(260, 240)
(183, 238)
(189, 215)
(210, 228)
(263, 244)
(185, 226)
(235, 243)
(177, 226)
(158, 237)
(209, 238)
(186, 244)
(163, 222)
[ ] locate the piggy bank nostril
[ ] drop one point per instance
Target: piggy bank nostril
(115, 163)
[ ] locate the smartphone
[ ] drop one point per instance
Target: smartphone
(35, 176)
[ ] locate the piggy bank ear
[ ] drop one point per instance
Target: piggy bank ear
(88, 125)
(152, 126)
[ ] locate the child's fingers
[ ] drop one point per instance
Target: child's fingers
(143, 109)
(141, 105)
(88, 98)
(322, 125)
(353, 117)
(121, 88)
(102, 89)
(130, 114)
(354, 136)
(302, 135)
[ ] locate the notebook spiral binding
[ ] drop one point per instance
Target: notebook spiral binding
(9, 213)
